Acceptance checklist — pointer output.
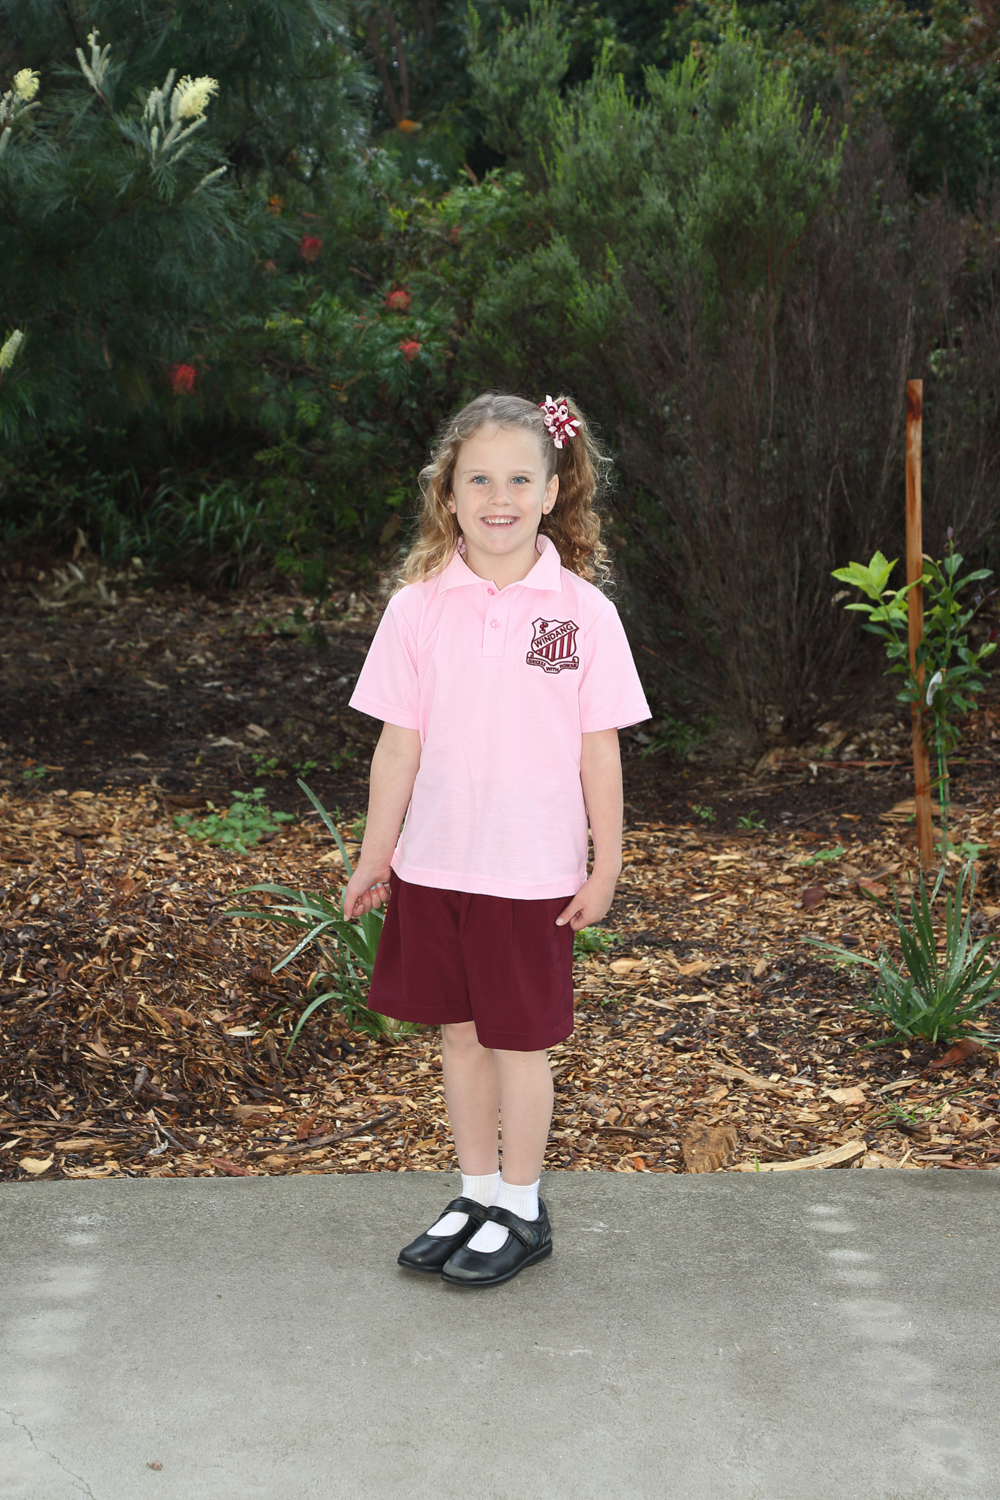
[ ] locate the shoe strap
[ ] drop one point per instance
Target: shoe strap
(476, 1212)
(530, 1234)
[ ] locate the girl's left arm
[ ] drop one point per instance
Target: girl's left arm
(601, 775)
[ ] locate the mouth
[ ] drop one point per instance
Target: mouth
(498, 521)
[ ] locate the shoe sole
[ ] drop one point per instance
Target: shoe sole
(532, 1260)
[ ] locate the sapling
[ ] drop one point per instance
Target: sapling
(948, 670)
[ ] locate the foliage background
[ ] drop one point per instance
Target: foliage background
(731, 234)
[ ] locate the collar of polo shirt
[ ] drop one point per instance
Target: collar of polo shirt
(546, 574)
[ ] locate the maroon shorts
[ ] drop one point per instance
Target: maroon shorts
(448, 956)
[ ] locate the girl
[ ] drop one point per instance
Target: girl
(502, 675)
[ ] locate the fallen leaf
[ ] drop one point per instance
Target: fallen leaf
(700, 966)
(760, 968)
(625, 965)
(229, 1167)
(813, 897)
(247, 1112)
(35, 1165)
(99, 1050)
(959, 1053)
(873, 887)
(304, 1128)
(846, 1096)
(258, 732)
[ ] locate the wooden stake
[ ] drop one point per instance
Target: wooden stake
(915, 600)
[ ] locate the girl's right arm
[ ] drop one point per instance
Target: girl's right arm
(394, 768)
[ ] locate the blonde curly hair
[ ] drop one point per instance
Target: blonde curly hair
(573, 524)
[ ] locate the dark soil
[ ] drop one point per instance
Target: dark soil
(104, 686)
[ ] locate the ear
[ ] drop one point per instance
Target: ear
(551, 491)
(450, 502)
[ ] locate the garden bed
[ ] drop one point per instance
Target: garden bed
(142, 1031)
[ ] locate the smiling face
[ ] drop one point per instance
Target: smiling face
(500, 491)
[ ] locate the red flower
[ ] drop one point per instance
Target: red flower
(409, 348)
(310, 248)
(182, 379)
(270, 267)
(398, 299)
(456, 230)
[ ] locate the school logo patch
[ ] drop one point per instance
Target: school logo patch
(553, 646)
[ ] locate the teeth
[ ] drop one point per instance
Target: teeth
(498, 520)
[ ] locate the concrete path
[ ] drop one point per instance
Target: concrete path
(816, 1336)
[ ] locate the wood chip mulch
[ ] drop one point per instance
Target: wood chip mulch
(142, 1032)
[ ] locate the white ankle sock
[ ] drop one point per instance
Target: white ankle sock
(481, 1190)
(522, 1201)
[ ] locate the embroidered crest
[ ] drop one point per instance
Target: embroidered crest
(553, 646)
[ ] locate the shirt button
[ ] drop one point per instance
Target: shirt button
(491, 592)
(494, 623)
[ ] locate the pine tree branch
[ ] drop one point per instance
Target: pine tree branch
(72, 25)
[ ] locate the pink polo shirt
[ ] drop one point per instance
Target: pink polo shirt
(502, 685)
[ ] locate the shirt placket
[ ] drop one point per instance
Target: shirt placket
(495, 621)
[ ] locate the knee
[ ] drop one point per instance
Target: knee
(461, 1036)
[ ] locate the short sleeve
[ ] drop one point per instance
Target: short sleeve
(611, 694)
(387, 687)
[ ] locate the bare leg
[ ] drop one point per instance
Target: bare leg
(472, 1093)
(526, 1097)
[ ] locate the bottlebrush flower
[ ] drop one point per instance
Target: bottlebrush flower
(26, 85)
(8, 353)
(191, 97)
(182, 379)
(409, 349)
(398, 299)
(310, 248)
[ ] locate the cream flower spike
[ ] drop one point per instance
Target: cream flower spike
(26, 85)
(192, 97)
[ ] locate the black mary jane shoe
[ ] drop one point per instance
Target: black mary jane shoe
(526, 1243)
(428, 1252)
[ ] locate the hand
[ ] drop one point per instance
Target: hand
(591, 902)
(366, 889)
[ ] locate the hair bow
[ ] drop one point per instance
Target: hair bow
(559, 424)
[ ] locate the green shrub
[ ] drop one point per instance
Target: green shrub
(931, 995)
(346, 949)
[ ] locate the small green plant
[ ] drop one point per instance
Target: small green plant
(949, 671)
(920, 1115)
(706, 814)
(752, 821)
(33, 773)
(936, 997)
(592, 940)
(357, 828)
(303, 767)
(243, 824)
(264, 765)
(677, 739)
(341, 758)
(824, 856)
(346, 949)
